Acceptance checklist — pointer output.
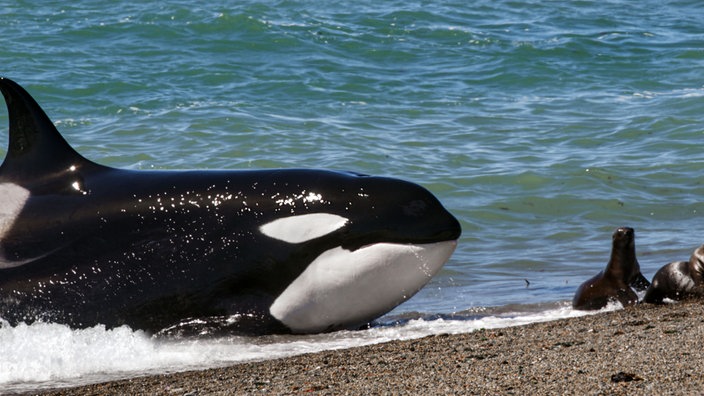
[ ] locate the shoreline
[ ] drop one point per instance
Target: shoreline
(645, 349)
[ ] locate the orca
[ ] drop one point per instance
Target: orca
(260, 251)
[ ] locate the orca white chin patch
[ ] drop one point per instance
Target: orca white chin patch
(343, 289)
(14, 198)
(302, 228)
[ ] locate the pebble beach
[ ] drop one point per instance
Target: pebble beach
(540, 125)
(641, 350)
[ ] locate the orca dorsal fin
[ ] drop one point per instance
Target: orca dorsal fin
(36, 148)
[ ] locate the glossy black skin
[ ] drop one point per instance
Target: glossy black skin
(678, 280)
(151, 248)
(617, 281)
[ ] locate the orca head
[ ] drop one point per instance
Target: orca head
(380, 241)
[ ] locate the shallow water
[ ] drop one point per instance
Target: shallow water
(541, 126)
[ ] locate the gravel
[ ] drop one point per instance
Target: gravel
(641, 350)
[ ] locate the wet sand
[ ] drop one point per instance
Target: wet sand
(643, 350)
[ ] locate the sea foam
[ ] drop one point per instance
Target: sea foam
(46, 355)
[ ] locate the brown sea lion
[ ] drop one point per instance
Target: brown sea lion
(617, 280)
(678, 280)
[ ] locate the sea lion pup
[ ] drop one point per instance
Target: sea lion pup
(678, 280)
(616, 281)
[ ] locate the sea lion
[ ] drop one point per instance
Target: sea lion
(678, 280)
(616, 281)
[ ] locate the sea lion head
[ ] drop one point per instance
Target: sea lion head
(624, 238)
(623, 263)
(696, 265)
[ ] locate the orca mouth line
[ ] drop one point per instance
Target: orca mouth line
(338, 230)
(353, 244)
(400, 243)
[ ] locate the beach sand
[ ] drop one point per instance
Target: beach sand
(642, 350)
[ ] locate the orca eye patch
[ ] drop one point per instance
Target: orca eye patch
(302, 228)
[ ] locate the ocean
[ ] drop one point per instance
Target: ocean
(542, 126)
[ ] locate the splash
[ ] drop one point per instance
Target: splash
(46, 355)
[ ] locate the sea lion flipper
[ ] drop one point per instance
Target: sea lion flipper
(639, 282)
(627, 297)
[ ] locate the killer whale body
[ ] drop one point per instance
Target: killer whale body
(260, 251)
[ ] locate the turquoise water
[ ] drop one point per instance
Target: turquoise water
(541, 125)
